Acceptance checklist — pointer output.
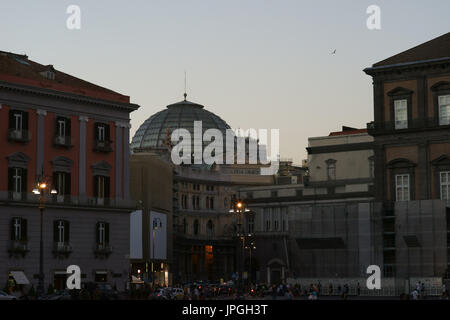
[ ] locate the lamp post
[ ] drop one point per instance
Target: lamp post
(250, 247)
(240, 208)
(41, 188)
(156, 225)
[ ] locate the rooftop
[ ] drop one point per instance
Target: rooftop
(18, 69)
(435, 49)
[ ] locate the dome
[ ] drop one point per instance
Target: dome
(153, 133)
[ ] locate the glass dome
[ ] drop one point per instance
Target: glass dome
(153, 133)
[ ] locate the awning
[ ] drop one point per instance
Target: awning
(20, 277)
(135, 279)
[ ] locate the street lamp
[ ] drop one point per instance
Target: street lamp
(41, 188)
(157, 224)
(250, 247)
(240, 208)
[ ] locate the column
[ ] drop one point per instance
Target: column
(118, 159)
(126, 161)
(40, 141)
(82, 159)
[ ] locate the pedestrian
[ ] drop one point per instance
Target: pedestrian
(415, 295)
(330, 289)
(358, 289)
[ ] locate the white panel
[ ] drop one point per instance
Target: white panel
(136, 235)
(160, 236)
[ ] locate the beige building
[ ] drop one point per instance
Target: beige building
(151, 226)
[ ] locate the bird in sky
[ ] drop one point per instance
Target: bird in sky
(334, 52)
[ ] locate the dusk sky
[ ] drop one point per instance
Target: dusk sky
(256, 64)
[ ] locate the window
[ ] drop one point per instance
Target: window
(196, 227)
(61, 231)
(18, 229)
(267, 218)
(18, 120)
(401, 114)
(102, 233)
(210, 203)
(444, 110)
(17, 181)
(184, 201)
(101, 187)
(331, 169)
(210, 228)
(101, 133)
(445, 185)
(372, 167)
(402, 187)
(61, 182)
(196, 202)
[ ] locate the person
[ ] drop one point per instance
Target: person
(274, 292)
(330, 289)
(358, 288)
(339, 289)
(319, 288)
(415, 295)
(444, 291)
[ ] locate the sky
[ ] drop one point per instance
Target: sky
(257, 64)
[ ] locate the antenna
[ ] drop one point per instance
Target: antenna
(185, 94)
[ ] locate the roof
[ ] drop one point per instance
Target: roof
(347, 131)
(18, 69)
(437, 48)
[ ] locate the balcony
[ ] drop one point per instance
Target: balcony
(62, 141)
(102, 250)
(62, 249)
(18, 248)
(386, 127)
(19, 135)
(102, 146)
(30, 199)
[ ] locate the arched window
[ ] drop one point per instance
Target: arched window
(196, 227)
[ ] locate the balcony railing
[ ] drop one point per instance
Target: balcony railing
(23, 198)
(415, 124)
(18, 248)
(102, 145)
(19, 135)
(62, 249)
(102, 250)
(63, 141)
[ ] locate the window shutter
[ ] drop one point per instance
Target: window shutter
(107, 233)
(55, 231)
(68, 184)
(95, 186)
(24, 235)
(24, 180)
(10, 179)
(107, 132)
(25, 120)
(68, 128)
(107, 187)
(96, 130)
(12, 230)
(12, 123)
(97, 232)
(56, 126)
(66, 231)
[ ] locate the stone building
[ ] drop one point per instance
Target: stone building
(72, 135)
(204, 230)
(321, 228)
(412, 158)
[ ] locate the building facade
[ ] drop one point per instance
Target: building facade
(74, 136)
(323, 227)
(204, 229)
(412, 157)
